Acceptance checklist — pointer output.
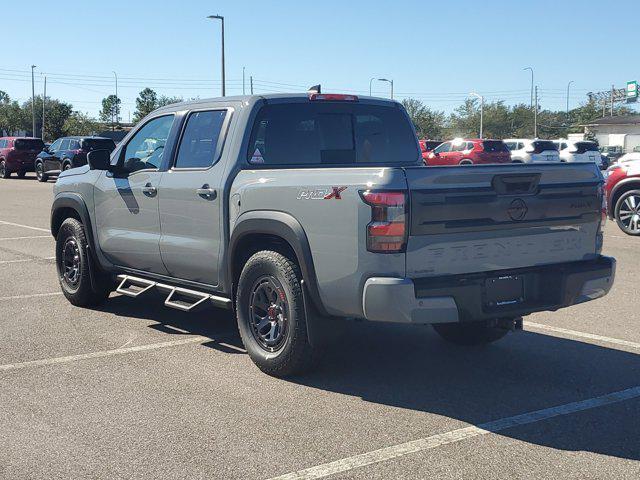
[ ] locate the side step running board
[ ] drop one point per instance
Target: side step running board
(177, 297)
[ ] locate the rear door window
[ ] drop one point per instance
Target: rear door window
(74, 145)
(199, 143)
(327, 133)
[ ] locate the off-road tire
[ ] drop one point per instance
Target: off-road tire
(79, 293)
(4, 172)
(295, 355)
(632, 229)
(40, 175)
(469, 333)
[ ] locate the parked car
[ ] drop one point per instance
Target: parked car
(579, 151)
(469, 152)
(17, 155)
(622, 190)
(524, 150)
(610, 154)
(66, 153)
(426, 146)
(282, 212)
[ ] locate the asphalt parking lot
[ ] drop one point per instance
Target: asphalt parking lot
(134, 390)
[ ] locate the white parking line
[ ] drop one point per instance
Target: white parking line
(100, 354)
(30, 295)
(2, 222)
(587, 336)
(24, 260)
(454, 436)
(24, 238)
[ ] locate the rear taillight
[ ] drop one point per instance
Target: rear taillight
(387, 231)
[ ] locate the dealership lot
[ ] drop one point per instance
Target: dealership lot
(134, 390)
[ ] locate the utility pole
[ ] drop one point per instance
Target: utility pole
(530, 68)
(33, 102)
(604, 107)
(613, 88)
(251, 83)
(221, 18)
(535, 114)
(243, 92)
(44, 99)
(117, 107)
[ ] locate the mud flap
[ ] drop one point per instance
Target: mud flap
(319, 328)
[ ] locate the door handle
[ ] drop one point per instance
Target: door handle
(149, 190)
(206, 192)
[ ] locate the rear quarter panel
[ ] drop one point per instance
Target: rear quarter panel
(335, 228)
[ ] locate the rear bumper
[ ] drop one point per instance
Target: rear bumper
(463, 298)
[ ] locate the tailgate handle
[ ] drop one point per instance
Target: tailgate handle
(518, 184)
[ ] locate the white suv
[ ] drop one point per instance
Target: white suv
(524, 150)
(579, 151)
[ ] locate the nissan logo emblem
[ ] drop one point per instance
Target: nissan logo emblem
(517, 210)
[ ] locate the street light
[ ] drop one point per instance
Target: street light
(221, 18)
(33, 102)
(568, 86)
(388, 81)
(474, 94)
(371, 81)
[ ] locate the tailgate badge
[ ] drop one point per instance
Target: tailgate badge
(517, 210)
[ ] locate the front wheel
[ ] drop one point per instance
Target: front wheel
(627, 212)
(40, 175)
(66, 166)
(4, 172)
(74, 267)
(271, 315)
(469, 333)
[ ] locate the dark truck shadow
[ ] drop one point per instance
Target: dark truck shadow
(409, 367)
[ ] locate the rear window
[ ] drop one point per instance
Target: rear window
(98, 144)
(28, 144)
(542, 145)
(494, 146)
(586, 147)
(331, 134)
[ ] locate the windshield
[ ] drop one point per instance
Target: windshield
(28, 144)
(98, 144)
(331, 133)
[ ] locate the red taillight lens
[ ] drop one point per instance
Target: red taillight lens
(387, 231)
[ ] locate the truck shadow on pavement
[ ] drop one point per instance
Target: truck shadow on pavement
(410, 367)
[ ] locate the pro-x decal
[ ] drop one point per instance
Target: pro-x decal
(323, 193)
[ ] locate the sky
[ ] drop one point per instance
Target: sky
(435, 51)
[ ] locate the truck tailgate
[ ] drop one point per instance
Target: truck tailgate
(484, 218)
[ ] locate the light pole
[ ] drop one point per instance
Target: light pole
(388, 81)
(44, 99)
(568, 86)
(221, 18)
(117, 106)
(474, 94)
(529, 68)
(33, 102)
(370, 82)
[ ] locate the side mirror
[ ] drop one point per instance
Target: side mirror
(99, 159)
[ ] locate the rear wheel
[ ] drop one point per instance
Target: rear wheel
(4, 172)
(66, 166)
(469, 333)
(271, 315)
(40, 175)
(627, 212)
(75, 269)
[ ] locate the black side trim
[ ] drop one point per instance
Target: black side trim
(281, 225)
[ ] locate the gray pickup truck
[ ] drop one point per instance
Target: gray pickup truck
(299, 210)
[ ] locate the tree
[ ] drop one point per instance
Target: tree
(56, 114)
(110, 113)
(146, 103)
(428, 123)
(79, 123)
(163, 101)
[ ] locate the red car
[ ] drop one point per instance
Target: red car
(622, 189)
(18, 154)
(469, 152)
(426, 146)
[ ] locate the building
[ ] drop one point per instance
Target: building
(621, 130)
